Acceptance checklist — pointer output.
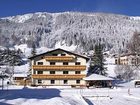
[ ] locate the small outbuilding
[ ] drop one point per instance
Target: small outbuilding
(97, 80)
(20, 79)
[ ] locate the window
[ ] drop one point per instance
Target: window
(52, 63)
(77, 63)
(78, 81)
(77, 72)
(116, 61)
(65, 63)
(63, 54)
(39, 72)
(39, 81)
(65, 72)
(52, 81)
(40, 63)
(52, 72)
(54, 54)
(65, 81)
(34, 72)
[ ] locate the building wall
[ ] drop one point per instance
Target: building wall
(59, 81)
(128, 60)
(81, 60)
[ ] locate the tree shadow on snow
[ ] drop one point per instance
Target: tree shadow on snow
(119, 83)
(28, 93)
(88, 101)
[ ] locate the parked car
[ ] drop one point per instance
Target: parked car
(137, 83)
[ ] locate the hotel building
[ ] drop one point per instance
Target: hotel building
(58, 67)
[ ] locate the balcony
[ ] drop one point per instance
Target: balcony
(59, 58)
(56, 67)
(52, 76)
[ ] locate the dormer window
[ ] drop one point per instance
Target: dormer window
(63, 54)
(54, 54)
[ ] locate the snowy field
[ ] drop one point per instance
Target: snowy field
(18, 95)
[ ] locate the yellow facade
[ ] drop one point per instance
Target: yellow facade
(128, 59)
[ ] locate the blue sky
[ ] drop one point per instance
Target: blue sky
(18, 7)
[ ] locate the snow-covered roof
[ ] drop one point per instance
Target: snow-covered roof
(20, 75)
(136, 80)
(22, 68)
(97, 77)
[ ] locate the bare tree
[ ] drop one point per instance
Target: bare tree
(125, 72)
(134, 43)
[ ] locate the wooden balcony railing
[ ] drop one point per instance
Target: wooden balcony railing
(54, 76)
(59, 58)
(56, 67)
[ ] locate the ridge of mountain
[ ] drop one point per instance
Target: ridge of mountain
(82, 30)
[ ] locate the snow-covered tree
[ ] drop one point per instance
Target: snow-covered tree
(10, 57)
(125, 72)
(97, 61)
(134, 43)
(33, 52)
(73, 28)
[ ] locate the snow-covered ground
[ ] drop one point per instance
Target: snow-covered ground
(18, 95)
(110, 70)
(110, 65)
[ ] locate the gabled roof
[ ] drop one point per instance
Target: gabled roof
(59, 50)
(20, 75)
(96, 77)
(130, 54)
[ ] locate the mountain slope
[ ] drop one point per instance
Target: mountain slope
(69, 28)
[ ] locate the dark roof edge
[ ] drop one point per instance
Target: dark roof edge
(61, 50)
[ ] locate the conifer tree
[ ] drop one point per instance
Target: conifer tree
(97, 61)
(33, 52)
